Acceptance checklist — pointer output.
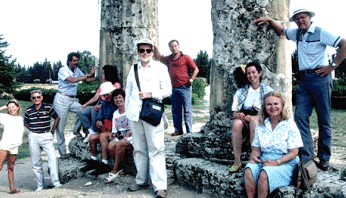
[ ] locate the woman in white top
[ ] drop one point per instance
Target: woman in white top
(11, 138)
(246, 103)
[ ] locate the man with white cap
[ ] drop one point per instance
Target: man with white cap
(148, 140)
(105, 112)
(315, 86)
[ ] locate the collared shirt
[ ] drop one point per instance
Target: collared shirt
(285, 136)
(39, 120)
(178, 69)
(154, 78)
(312, 46)
(65, 86)
(248, 97)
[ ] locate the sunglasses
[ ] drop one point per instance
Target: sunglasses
(143, 50)
(37, 97)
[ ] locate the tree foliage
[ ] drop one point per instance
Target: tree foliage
(7, 73)
(203, 63)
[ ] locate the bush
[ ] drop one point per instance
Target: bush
(198, 89)
(84, 93)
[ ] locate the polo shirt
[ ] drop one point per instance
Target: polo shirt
(312, 46)
(39, 120)
(178, 69)
(65, 86)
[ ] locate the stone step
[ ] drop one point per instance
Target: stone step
(214, 179)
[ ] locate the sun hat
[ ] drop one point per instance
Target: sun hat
(106, 88)
(300, 10)
(145, 41)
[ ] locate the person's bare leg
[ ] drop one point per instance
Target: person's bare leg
(250, 184)
(104, 140)
(3, 156)
(237, 139)
(263, 188)
(10, 168)
(120, 149)
(252, 126)
(93, 140)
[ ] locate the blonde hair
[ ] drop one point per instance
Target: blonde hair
(262, 114)
(14, 101)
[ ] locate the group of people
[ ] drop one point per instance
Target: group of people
(278, 142)
(113, 121)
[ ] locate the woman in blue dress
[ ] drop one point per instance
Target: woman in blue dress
(275, 149)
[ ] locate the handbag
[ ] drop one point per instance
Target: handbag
(152, 109)
(307, 174)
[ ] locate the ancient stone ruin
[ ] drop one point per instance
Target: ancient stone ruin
(200, 160)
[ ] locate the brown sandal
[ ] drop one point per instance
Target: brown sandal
(235, 167)
(14, 191)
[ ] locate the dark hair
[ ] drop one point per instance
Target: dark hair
(70, 55)
(169, 44)
(111, 73)
(240, 77)
(118, 92)
(256, 65)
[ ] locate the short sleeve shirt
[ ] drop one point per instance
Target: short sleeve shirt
(65, 86)
(120, 122)
(178, 69)
(312, 52)
(285, 136)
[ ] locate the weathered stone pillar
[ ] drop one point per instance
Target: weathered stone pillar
(237, 41)
(123, 23)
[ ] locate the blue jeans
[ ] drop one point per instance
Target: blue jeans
(87, 116)
(181, 98)
(314, 91)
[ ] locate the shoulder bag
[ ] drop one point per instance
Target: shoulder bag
(152, 109)
(307, 174)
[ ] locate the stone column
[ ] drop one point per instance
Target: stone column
(237, 41)
(123, 23)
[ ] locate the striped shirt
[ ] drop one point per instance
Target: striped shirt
(39, 120)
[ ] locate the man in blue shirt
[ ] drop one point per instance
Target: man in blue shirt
(315, 86)
(65, 100)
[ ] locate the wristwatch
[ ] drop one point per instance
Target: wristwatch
(334, 65)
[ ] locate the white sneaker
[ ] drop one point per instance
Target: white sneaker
(39, 189)
(57, 186)
(111, 176)
(86, 140)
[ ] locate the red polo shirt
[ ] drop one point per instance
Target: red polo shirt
(178, 69)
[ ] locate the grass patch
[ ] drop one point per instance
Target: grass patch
(23, 151)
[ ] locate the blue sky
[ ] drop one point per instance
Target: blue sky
(39, 29)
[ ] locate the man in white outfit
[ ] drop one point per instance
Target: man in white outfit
(148, 144)
(37, 120)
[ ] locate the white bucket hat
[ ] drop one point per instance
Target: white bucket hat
(300, 10)
(145, 41)
(106, 88)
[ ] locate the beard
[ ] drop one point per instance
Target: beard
(145, 60)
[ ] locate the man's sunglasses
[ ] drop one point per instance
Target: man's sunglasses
(38, 97)
(143, 50)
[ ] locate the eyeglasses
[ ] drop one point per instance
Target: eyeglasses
(143, 50)
(37, 97)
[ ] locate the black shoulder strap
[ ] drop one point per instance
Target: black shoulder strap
(136, 76)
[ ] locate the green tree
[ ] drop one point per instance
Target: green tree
(23, 74)
(203, 63)
(86, 61)
(41, 71)
(55, 71)
(7, 73)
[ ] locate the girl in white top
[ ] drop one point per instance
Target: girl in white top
(11, 138)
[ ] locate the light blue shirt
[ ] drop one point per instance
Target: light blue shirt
(285, 136)
(313, 54)
(65, 86)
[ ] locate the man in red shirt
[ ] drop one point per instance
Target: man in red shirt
(179, 65)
